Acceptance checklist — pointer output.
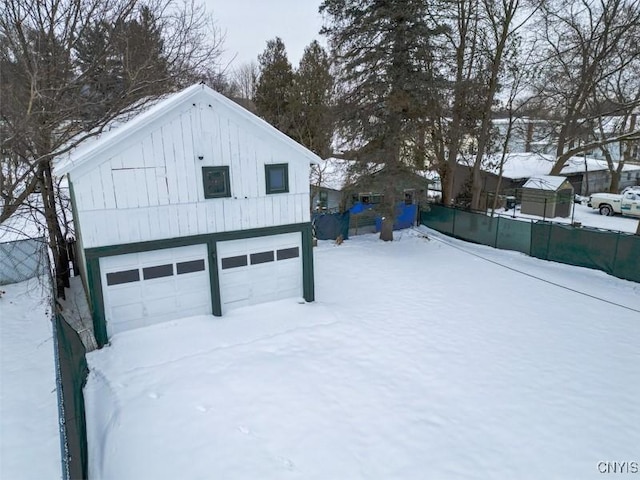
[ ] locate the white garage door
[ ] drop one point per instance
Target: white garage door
(257, 270)
(141, 289)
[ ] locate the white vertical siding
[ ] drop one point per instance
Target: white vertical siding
(152, 188)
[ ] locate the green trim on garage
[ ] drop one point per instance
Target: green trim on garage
(94, 280)
(307, 264)
(78, 233)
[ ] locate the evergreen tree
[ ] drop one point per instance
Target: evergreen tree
(122, 58)
(141, 49)
(103, 80)
(310, 101)
(273, 91)
(383, 52)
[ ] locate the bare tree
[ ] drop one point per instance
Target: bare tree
(452, 105)
(516, 82)
(244, 80)
(616, 103)
(56, 92)
(586, 44)
(502, 20)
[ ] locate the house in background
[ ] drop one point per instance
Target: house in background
(337, 187)
(586, 175)
(527, 135)
(193, 207)
(327, 180)
(537, 135)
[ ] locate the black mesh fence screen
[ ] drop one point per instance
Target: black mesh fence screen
(73, 376)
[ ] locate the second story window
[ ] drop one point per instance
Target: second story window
(277, 177)
(216, 182)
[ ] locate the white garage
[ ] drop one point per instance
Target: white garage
(195, 206)
(262, 269)
(141, 289)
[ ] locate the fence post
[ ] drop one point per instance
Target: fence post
(615, 255)
(530, 238)
(495, 245)
(453, 223)
(546, 256)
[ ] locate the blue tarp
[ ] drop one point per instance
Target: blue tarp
(405, 217)
(360, 207)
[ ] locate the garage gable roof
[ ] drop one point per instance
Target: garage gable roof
(91, 152)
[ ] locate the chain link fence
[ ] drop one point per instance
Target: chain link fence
(71, 374)
(21, 260)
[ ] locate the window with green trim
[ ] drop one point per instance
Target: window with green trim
(277, 177)
(216, 182)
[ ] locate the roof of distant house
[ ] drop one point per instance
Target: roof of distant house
(526, 165)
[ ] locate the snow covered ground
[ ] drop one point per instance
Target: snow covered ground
(419, 359)
(587, 216)
(29, 438)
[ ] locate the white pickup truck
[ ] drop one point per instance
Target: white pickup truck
(628, 203)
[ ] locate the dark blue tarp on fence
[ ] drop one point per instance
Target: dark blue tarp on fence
(329, 226)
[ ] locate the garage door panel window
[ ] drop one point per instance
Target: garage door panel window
(287, 253)
(262, 257)
(234, 262)
(125, 276)
(190, 267)
(158, 271)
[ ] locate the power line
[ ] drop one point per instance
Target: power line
(531, 276)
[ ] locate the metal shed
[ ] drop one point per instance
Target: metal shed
(547, 196)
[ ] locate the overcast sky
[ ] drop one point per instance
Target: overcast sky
(250, 23)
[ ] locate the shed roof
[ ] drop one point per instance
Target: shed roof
(87, 152)
(545, 182)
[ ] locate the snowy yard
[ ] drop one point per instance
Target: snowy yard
(29, 438)
(419, 359)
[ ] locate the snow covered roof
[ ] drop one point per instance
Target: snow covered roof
(199, 92)
(545, 182)
(520, 121)
(525, 165)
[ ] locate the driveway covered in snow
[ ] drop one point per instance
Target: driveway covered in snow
(420, 359)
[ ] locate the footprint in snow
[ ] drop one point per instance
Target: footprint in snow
(244, 430)
(153, 395)
(286, 463)
(202, 408)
